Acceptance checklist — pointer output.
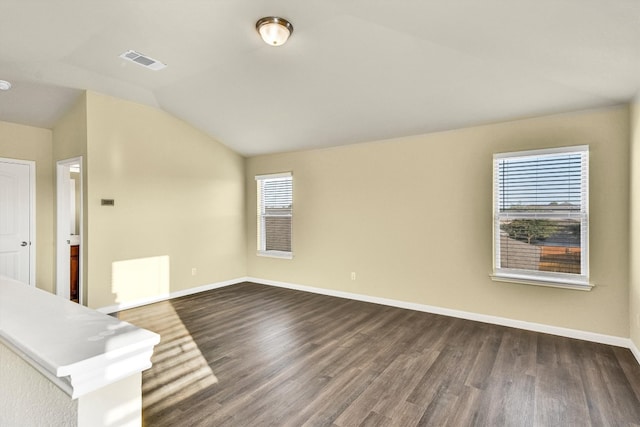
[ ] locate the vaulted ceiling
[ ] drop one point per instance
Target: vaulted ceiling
(353, 70)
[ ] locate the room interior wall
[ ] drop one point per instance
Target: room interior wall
(634, 225)
(178, 219)
(384, 210)
(70, 132)
(70, 141)
(412, 217)
(35, 144)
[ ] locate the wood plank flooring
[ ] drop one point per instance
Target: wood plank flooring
(253, 355)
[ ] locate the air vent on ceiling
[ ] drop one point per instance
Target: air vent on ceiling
(143, 60)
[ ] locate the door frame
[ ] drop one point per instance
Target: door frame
(32, 214)
(63, 218)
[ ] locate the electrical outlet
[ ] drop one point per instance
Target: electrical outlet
(194, 271)
(353, 275)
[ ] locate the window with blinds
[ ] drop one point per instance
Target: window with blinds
(541, 221)
(275, 209)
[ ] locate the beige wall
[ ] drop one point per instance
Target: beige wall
(412, 217)
(634, 253)
(70, 132)
(179, 204)
(70, 141)
(31, 143)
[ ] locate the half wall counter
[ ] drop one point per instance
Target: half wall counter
(64, 364)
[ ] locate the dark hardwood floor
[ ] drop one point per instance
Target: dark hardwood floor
(253, 355)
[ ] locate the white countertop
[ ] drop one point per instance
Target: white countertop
(79, 349)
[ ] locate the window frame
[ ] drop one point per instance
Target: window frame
(537, 277)
(261, 237)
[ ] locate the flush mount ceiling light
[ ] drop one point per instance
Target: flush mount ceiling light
(273, 30)
(5, 85)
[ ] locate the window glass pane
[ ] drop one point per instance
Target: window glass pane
(550, 245)
(547, 183)
(275, 202)
(541, 215)
(277, 193)
(277, 233)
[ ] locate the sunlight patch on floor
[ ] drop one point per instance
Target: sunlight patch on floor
(179, 368)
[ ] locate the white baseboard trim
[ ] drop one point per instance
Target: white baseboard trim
(520, 324)
(163, 297)
(634, 349)
(495, 320)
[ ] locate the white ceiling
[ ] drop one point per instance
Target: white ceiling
(353, 71)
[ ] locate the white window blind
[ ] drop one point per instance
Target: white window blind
(275, 211)
(541, 216)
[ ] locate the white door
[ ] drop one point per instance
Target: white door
(15, 219)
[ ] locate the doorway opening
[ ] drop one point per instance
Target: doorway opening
(69, 235)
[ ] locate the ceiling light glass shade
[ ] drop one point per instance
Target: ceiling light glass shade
(274, 31)
(5, 85)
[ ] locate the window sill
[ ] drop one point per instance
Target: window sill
(538, 282)
(275, 254)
